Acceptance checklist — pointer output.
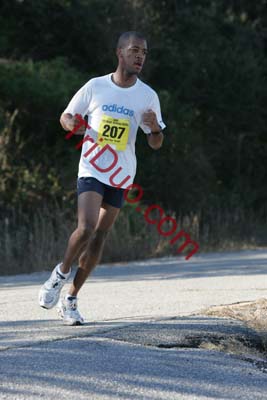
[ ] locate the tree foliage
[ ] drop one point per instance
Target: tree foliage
(207, 61)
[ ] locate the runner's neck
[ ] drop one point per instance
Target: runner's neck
(123, 80)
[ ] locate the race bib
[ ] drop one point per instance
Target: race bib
(113, 131)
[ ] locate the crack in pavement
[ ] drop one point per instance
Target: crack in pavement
(194, 331)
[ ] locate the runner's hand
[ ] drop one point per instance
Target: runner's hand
(70, 122)
(150, 119)
(76, 121)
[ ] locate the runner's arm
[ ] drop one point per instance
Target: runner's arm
(72, 117)
(155, 138)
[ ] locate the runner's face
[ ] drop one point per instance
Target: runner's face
(132, 56)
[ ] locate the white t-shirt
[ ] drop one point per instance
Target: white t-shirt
(114, 115)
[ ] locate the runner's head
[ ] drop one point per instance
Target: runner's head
(131, 52)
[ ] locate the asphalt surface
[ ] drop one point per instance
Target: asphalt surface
(143, 337)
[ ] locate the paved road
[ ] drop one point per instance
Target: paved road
(135, 311)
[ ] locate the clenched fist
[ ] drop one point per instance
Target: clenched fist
(150, 119)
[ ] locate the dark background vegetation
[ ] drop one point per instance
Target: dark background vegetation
(208, 63)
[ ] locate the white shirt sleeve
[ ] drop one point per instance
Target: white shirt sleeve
(154, 106)
(80, 102)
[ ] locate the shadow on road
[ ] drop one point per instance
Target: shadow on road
(96, 368)
(209, 265)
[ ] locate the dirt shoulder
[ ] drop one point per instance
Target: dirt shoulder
(252, 313)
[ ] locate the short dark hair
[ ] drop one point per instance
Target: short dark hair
(126, 36)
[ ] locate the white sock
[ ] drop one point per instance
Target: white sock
(62, 273)
(69, 296)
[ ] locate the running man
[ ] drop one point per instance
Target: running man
(116, 105)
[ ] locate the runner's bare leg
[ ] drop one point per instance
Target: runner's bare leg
(89, 204)
(93, 252)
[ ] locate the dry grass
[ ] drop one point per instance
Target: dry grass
(253, 313)
(32, 243)
(36, 242)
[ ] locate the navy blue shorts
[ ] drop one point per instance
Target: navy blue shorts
(111, 195)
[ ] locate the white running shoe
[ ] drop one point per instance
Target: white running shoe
(50, 291)
(67, 309)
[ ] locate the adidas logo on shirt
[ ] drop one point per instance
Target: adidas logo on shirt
(118, 109)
